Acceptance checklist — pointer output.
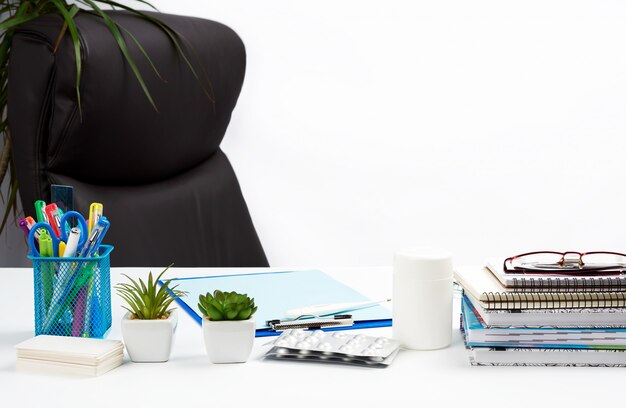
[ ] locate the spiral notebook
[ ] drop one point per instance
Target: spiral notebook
(556, 283)
(477, 334)
(492, 295)
(561, 318)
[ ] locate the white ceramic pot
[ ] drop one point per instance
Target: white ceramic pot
(228, 341)
(149, 341)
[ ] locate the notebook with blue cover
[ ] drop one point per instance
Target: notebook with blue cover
(276, 292)
(478, 335)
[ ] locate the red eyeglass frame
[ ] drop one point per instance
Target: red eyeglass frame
(615, 269)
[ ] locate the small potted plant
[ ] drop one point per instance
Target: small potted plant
(149, 325)
(228, 326)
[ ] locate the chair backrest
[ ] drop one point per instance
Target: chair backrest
(167, 188)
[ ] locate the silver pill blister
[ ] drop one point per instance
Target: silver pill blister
(338, 347)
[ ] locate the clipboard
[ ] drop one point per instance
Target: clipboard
(276, 292)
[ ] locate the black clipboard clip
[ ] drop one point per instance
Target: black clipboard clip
(309, 322)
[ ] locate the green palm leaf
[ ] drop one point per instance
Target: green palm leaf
(69, 20)
(14, 13)
(174, 37)
(117, 35)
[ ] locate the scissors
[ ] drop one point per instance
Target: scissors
(84, 232)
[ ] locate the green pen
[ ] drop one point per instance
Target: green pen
(47, 268)
(40, 211)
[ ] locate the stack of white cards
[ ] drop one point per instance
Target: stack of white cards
(69, 355)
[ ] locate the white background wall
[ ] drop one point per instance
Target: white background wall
(485, 127)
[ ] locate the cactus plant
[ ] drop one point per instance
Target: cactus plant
(226, 306)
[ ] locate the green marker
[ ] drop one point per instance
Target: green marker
(47, 268)
(40, 211)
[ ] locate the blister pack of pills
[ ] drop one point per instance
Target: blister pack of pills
(334, 347)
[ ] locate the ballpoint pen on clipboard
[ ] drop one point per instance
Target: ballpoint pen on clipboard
(331, 309)
(321, 316)
(311, 322)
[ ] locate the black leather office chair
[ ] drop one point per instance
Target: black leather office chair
(167, 188)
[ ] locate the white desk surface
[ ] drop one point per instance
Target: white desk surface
(189, 379)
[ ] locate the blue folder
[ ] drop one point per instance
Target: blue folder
(276, 292)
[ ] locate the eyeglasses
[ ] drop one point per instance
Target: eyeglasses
(567, 263)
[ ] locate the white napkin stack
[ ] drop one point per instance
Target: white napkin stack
(69, 355)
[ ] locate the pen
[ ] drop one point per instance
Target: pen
(40, 211)
(26, 224)
(83, 308)
(328, 309)
(72, 243)
(70, 251)
(95, 238)
(312, 324)
(61, 289)
(54, 217)
(47, 269)
(89, 248)
(95, 212)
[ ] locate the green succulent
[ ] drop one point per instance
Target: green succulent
(144, 301)
(226, 306)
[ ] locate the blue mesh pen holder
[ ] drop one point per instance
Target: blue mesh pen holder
(73, 295)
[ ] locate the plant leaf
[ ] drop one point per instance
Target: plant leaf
(15, 21)
(214, 313)
(146, 56)
(230, 313)
(244, 314)
(174, 36)
(219, 296)
(117, 35)
(69, 19)
(112, 3)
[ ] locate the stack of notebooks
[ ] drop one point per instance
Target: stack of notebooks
(69, 355)
(510, 319)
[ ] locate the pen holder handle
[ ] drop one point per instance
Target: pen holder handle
(73, 295)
